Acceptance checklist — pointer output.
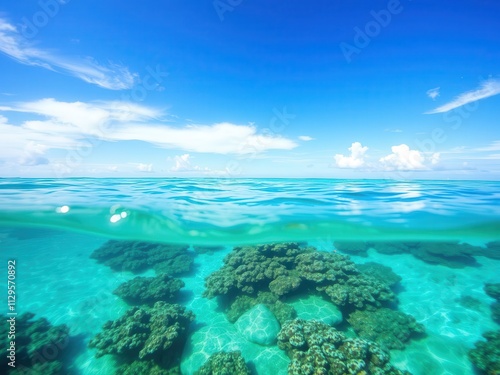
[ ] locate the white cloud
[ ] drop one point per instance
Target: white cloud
(183, 164)
(112, 76)
(488, 88)
(402, 159)
(433, 93)
(65, 125)
(305, 138)
(393, 130)
(435, 158)
(355, 160)
(143, 167)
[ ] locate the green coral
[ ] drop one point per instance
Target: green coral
(390, 329)
(492, 250)
(380, 272)
(222, 363)
(486, 354)
(154, 334)
(493, 290)
(267, 268)
(448, 253)
(317, 348)
(39, 346)
(138, 256)
(148, 290)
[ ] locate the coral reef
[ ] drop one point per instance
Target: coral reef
(250, 269)
(222, 363)
(448, 253)
(352, 247)
(148, 290)
(138, 256)
(380, 272)
(316, 348)
(390, 329)
(492, 250)
(38, 346)
(152, 335)
(493, 290)
(486, 355)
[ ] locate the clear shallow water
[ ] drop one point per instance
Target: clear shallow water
(235, 211)
(57, 278)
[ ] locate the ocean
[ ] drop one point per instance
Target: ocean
(252, 267)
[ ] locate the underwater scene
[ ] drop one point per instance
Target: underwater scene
(249, 276)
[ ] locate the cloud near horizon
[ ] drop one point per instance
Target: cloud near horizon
(111, 76)
(69, 125)
(355, 160)
(487, 89)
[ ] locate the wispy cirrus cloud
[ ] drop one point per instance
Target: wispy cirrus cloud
(433, 93)
(110, 76)
(488, 88)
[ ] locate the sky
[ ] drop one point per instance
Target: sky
(402, 89)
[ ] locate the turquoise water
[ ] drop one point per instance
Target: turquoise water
(51, 228)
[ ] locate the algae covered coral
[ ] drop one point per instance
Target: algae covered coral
(486, 355)
(39, 346)
(153, 336)
(284, 269)
(317, 348)
(147, 290)
(222, 363)
(138, 256)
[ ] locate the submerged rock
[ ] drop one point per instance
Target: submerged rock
(259, 325)
(315, 307)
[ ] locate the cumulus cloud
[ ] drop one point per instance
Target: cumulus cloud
(305, 138)
(355, 160)
(143, 167)
(403, 159)
(70, 125)
(433, 93)
(111, 76)
(488, 88)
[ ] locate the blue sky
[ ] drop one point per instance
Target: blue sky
(236, 88)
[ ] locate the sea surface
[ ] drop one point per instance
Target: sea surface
(51, 227)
